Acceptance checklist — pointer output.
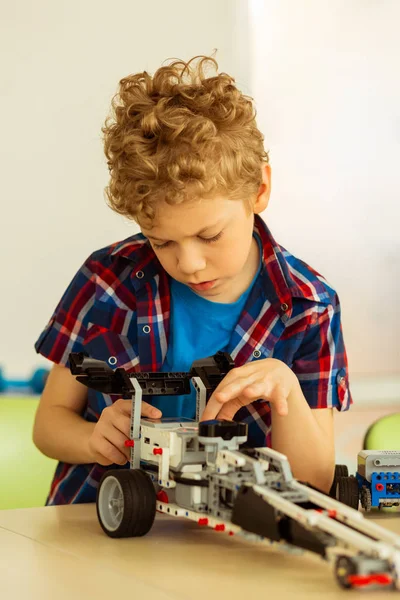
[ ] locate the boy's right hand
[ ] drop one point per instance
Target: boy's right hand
(107, 442)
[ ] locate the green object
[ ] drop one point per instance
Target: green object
(25, 473)
(384, 434)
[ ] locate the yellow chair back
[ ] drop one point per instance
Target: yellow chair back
(25, 473)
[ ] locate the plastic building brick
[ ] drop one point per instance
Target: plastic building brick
(376, 483)
(196, 470)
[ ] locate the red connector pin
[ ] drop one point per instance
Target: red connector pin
(162, 496)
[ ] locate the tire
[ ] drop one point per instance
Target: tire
(347, 491)
(340, 471)
(126, 503)
(344, 567)
(365, 498)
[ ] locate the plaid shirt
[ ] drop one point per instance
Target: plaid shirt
(117, 309)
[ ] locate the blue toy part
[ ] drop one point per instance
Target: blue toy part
(385, 488)
(39, 379)
(33, 385)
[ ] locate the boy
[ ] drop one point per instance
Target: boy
(187, 163)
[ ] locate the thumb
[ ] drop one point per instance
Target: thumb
(150, 411)
(124, 406)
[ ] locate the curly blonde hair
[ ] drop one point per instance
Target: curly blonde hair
(180, 136)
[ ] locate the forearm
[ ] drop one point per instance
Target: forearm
(63, 434)
(300, 438)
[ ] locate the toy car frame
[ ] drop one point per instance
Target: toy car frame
(196, 470)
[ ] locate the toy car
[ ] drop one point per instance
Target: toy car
(196, 470)
(376, 483)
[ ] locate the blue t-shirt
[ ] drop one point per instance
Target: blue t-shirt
(117, 309)
(199, 328)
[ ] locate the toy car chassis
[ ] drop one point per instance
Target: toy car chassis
(195, 470)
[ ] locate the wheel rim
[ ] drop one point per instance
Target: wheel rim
(111, 503)
(344, 568)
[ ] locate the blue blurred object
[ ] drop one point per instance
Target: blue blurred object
(33, 385)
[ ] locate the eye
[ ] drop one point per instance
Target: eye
(205, 240)
(213, 239)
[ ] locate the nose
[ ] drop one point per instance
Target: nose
(190, 260)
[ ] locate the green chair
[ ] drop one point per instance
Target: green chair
(384, 434)
(25, 473)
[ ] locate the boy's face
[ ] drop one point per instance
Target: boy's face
(210, 240)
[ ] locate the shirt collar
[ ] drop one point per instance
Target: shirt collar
(291, 277)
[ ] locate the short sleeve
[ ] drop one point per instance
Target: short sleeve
(320, 363)
(66, 330)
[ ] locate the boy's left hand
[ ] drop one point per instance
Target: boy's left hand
(267, 379)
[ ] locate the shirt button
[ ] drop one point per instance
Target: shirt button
(256, 354)
(140, 274)
(146, 329)
(112, 360)
(284, 307)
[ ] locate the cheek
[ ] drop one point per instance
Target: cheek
(165, 260)
(229, 259)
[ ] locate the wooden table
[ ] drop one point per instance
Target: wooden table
(61, 553)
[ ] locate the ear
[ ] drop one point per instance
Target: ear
(264, 191)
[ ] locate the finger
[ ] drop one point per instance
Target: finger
(229, 409)
(248, 394)
(150, 411)
(115, 437)
(211, 410)
(279, 402)
(255, 390)
(275, 394)
(223, 394)
(121, 422)
(123, 406)
(107, 450)
(230, 382)
(236, 388)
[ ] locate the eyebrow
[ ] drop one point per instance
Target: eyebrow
(198, 233)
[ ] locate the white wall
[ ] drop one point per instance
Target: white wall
(326, 83)
(61, 63)
(326, 78)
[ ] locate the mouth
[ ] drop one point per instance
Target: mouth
(205, 285)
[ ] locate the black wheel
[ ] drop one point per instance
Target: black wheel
(340, 471)
(126, 503)
(365, 498)
(347, 491)
(344, 567)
